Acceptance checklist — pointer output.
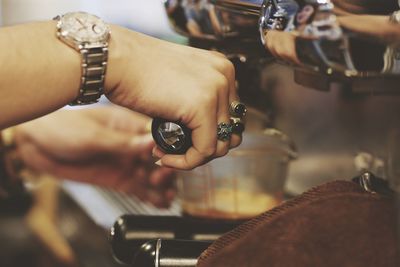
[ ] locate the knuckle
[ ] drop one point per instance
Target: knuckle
(223, 87)
(236, 144)
(188, 167)
(218, 54)
(222, 152)
(208, 152)
(230, 67)
(226, 66)
(205, 99)
(236, 140)
(221, 82)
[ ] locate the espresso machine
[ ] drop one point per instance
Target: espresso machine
(340, 106)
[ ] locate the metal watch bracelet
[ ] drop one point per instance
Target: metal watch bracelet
(94, 66)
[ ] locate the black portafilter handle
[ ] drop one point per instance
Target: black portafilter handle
(130, 232)
(171, 137)
(171, 253)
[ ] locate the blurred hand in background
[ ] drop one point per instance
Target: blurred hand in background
(367, 19)
(282, 45)
(108, 146)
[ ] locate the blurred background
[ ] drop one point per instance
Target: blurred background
(336, 134)
(145, 16)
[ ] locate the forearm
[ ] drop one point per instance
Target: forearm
(39, 74)
(376, 27)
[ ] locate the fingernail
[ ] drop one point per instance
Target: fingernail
(159, 163)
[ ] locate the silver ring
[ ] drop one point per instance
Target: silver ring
(238, 109)
(224, 131)
(238, 126)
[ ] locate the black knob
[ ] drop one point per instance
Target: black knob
(171, 137)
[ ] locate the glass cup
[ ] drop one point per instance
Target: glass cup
(244, 183)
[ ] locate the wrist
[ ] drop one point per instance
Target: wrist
(89, 35)
(126, 53)
(117, 54)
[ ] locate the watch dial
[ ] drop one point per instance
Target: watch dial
(84, 27)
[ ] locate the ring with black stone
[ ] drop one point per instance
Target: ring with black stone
(238, 109)
(224, 131)
(237, 125)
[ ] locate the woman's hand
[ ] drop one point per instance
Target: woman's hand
(144, 74)
(177, 83)
(107, 146)
(282, 46)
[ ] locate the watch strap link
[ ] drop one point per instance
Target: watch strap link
(94, 65)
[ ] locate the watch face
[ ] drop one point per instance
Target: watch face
(83, 27)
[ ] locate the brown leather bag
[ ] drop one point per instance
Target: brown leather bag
(338, 224)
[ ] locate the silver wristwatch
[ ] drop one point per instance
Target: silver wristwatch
(89, 35)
